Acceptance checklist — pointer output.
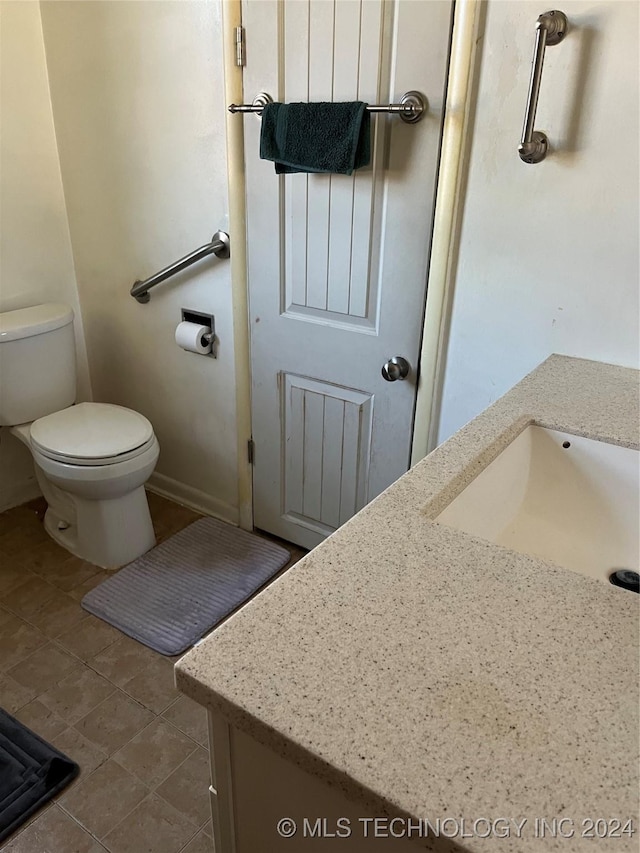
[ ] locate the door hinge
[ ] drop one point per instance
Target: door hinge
(251, 449)
(240, 47)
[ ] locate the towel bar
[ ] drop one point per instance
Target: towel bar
(411, 108)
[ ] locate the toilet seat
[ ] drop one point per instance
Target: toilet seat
(92, 434)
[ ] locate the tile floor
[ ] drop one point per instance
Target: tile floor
(102, 698)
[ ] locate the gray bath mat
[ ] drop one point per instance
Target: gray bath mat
(177, 592)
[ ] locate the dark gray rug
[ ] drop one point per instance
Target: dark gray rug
(31, 773)
(178, 591)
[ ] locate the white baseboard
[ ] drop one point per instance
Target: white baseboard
(19, 493)
(192, 498)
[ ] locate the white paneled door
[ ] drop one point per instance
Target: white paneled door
(338, 264)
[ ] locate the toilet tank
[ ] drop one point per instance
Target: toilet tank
(37, 362)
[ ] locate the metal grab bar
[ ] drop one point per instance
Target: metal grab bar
(219, 246)
(550, 29)
(411, 108)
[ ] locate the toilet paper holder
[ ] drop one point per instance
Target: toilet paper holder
(201, 319)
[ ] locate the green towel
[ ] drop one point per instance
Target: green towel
(322, 137)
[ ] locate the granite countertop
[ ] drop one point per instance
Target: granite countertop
(428, 673)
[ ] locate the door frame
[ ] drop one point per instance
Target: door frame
(450, 187)
(449, 194)
(233, 94)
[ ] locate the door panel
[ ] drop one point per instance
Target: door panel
(327, 215)
(337, 264)
(327, 432)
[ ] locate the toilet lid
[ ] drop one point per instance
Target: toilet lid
(91, 432)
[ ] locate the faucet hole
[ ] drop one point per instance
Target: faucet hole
(625, 578)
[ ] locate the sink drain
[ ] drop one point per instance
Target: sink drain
(626, 579)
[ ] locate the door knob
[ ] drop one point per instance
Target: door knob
(396, 368)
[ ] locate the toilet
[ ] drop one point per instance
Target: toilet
(91, 459)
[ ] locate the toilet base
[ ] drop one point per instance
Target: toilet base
(107, 533)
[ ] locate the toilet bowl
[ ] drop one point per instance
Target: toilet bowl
(91, 459)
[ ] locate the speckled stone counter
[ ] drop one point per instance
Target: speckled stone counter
(428, 673)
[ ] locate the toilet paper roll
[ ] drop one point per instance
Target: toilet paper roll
(191, 336)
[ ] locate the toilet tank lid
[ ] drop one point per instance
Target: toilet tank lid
(27, 322)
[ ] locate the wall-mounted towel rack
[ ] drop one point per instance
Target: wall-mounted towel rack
(219, 246)
(413, 105)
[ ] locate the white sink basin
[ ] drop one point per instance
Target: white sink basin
(568, 499)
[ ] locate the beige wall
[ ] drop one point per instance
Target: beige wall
(137, 91)
(548, 256)
(36, 263)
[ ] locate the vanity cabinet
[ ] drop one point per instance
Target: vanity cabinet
(253, 789)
